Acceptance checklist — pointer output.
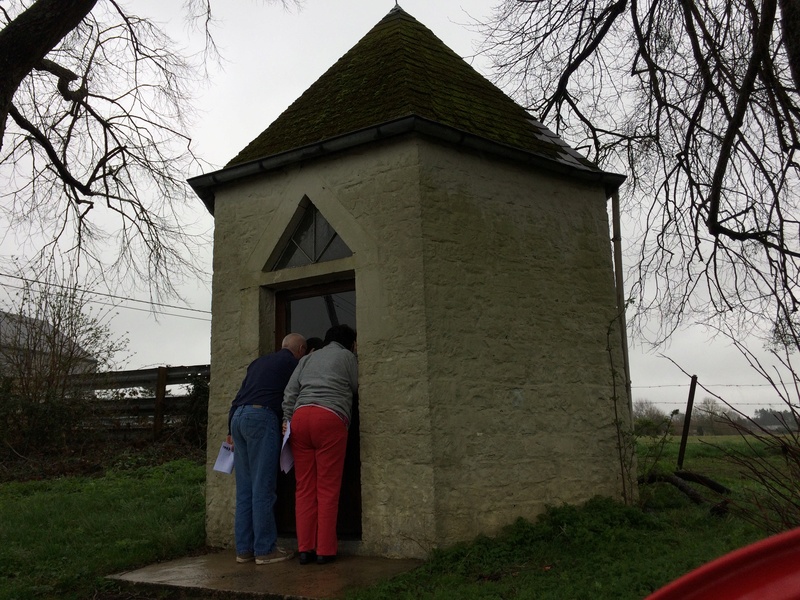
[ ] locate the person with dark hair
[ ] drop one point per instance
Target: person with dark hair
(314, 343)
(254, 430)
(318, 402)
(342, 334)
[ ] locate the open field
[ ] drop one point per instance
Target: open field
(59, 537)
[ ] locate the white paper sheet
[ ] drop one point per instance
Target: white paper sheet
(287, 458)
(224, 462)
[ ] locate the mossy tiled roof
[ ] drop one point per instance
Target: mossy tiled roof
(401, 69)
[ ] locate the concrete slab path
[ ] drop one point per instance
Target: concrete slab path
(286, 580)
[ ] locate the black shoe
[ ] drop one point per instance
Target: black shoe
(324, 560)
(307, 557)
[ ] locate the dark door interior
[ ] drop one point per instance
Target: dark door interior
(311, 311)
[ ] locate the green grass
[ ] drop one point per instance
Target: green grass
(707, 455)
(705, 451)
(601, 550)
(59, 538)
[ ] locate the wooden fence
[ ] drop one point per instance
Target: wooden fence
(121, 412)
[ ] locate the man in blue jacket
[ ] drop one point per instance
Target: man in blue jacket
(254, 429)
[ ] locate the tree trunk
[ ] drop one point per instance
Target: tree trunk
(790, 28)
(26, 40)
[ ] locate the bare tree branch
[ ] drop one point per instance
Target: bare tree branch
(26, 39)
(100, 112)
(699, 102)
(95, 108)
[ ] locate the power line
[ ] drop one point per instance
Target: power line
(125, 298)
(708, 385)
(166, 314)
(122, 306)
(731, 403)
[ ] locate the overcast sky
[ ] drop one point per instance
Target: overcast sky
(271, 56)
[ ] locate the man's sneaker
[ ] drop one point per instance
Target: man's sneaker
(276, 555)
(246, 557)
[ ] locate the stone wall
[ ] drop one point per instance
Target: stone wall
(366, 197)
(484, 293)
(519, 297)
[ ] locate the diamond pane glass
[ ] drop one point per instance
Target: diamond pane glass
(291, 257)
(336, 249)
(313, 241)
(304, 235)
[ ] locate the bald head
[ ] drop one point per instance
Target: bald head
(296, 344)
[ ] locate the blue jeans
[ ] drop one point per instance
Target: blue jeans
(256, 447)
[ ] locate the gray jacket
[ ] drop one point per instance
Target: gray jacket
(327, 377)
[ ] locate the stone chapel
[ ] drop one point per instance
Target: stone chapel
(406, 195)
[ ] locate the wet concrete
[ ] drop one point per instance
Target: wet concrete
(219, 572)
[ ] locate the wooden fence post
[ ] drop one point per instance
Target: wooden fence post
(686, 421)
(161, 394)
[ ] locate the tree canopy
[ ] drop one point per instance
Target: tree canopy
(697, 101)
(94, 150)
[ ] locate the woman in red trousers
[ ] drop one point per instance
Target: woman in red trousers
(318, 401)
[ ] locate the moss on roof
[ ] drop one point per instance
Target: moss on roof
(400, 69)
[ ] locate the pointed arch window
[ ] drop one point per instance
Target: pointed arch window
(313, 241)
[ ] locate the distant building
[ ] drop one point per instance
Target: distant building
(29, 345)
(407, 196)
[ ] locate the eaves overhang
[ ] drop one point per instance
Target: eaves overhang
(205, 185)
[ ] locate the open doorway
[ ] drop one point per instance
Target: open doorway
(310, 311)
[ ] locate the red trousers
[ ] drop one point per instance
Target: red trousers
(319, 442)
